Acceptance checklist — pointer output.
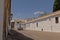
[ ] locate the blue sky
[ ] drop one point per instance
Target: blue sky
(26, 8)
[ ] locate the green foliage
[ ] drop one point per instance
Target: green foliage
(56, 5)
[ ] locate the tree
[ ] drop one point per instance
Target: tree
(56, 5)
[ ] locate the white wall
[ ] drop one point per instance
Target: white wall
(55, 26)
(27, 27)
(44, 24)
(15, 26)
(40, 25)
(32, 25)
(1, 18)
(47, 24)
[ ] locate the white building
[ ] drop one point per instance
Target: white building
(17, 24)
(50, 23)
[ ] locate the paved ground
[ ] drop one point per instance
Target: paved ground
(38, 35)
(33, 35)
(14, 35)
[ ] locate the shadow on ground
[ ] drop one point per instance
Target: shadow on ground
(13, 35)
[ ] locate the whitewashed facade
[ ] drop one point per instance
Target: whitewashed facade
(50, 23)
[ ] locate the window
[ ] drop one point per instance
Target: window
(37, 24)
(56, 20)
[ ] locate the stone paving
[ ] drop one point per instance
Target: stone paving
(39, 35)
(14, 35)
(33, 35)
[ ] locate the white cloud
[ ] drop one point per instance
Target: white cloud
(38, 12)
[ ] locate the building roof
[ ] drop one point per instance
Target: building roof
(20, 20)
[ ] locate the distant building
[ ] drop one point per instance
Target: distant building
(50, 23)
(17, 24)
